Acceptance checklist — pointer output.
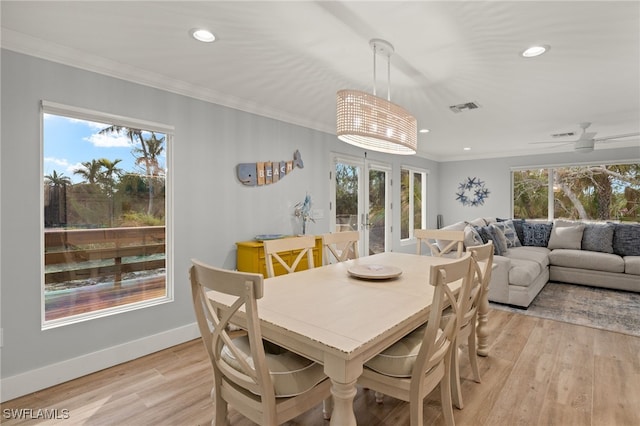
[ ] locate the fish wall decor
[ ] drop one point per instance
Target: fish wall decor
(267, 172)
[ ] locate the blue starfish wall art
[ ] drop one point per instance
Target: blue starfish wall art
(472, 192)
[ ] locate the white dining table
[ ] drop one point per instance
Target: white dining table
(340, 321)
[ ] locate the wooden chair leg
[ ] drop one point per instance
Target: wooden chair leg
(454, 376)
(473, 355)
(416, 409)
(445, 394)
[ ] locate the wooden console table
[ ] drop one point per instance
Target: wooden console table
(250, 257)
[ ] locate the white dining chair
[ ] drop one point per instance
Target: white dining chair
(482, 261)
(264, 382)
(439, 241)
(412, 367)
(274, 252)
(340, 246)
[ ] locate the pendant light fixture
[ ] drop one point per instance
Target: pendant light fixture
(370, 122)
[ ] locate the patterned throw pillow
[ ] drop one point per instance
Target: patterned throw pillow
(536, 234)
(509, 231)
(598, 237)
(488, 233)
(626, 239)
(499, 240)
(517, 224)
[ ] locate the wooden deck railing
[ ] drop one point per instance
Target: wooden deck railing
(77, 247)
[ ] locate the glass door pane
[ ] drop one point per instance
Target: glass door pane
(347, 196)
(377, 220)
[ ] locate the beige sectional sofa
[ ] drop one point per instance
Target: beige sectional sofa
(530, 253)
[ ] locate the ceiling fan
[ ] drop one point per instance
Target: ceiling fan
(587, 140)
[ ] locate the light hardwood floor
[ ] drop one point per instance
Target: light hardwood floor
(538, 372)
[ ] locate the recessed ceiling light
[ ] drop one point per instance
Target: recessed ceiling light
(535, 51)
(467, 148)
(424, 130)
(203, 35)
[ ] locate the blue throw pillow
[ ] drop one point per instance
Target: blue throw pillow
(536, 234)
(626, 239)
(598, 237)
(488, 233)
(508, 229)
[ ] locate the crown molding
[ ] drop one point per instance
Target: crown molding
(43, 49)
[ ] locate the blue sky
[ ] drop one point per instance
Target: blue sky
(68, 142)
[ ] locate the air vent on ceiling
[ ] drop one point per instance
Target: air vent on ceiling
(461, 107)
(562, 135)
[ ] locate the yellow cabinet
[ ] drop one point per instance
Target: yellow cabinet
(250, 257)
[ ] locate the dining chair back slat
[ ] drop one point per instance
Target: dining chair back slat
(274, 249)
(340, 246)
(439, 241)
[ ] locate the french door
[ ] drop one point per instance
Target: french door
(361, 201)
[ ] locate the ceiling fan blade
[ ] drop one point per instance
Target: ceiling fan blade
(624, 135)
(561, 142)
(607, 140)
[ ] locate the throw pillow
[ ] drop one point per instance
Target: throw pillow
(487, 233)
(509, 232)
(598, 237)
(471, 237)
(517, 224)
(478, 222)
(626, 239)
(500, 241)
(536, 234)
(566, 237)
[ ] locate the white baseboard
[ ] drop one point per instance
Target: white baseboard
(50, 375)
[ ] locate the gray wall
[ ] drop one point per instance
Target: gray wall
(211, 209)
(496, 173)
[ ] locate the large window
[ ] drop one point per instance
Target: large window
(588, 192)
(413, 199)
(105, 213)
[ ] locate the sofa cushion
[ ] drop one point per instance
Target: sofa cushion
(523, 272)
(583, 259)
(536, 254)
(626, 239)
(632, 265)
(598, 237)
(536, 234)
(566, 237)
(509, 231)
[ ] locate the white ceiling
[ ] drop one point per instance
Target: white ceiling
(287, 60)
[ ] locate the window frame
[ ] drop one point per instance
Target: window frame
(73, 112)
